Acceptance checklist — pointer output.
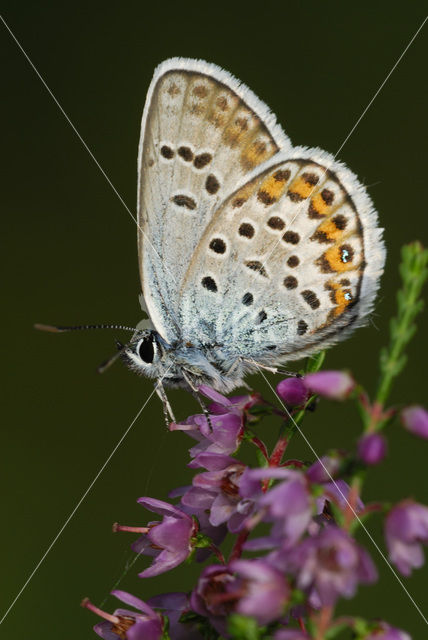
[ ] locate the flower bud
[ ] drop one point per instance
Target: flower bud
(372, 448)
(293, 391)
(415, 420)
(336, 385)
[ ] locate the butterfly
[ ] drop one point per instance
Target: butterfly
(252, 252)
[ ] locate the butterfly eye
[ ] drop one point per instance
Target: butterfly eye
(146, 350)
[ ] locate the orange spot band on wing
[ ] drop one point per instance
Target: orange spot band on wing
(330, 230)
(319, 205)
(340, 258)
(301, 187)
(255, 153)
(341, 297)
(271, 188)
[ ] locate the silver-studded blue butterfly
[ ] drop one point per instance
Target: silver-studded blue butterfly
(252, 252)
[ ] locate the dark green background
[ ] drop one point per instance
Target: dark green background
(70, 257)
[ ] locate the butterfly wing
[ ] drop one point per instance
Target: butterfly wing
(202, 131)
(289, 264)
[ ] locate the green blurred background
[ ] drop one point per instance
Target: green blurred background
(70, 257)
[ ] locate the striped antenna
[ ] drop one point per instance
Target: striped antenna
(59, 329)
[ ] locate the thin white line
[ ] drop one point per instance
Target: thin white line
(144, 405)
(114, 188)
(347, 502)
(67, 118)
(379, 90)
(131, 558)
(351, 131)
(75, 509)
(78, 135)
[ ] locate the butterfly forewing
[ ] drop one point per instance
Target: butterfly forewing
(202, 133)
(288, 264)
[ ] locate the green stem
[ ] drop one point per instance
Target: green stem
(413, 270)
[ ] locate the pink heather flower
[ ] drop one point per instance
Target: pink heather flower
(323, 472)
(236, 404)
(415, 420)
(169, 541)
(262, 592)
(173, 605)
(144, 624)
(248, 587)
(406, 529)
(224, 435)
(200, 510)
(293, 391)
(329, 566)
(289, 504)
(339, 491)
(210, 597)
(385, 632)
(335, 385)
(227, 418)
(324, 469)
(372, 448)
(218, 491)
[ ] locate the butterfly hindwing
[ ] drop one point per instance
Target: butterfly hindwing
(202, 133)
(289, 263)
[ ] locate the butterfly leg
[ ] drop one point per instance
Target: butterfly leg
(195, 393)
(253, 363)
(260, 366)
(271, 369)
(167, 411)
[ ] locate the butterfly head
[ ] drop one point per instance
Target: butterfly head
(145, 354)
(149, 355)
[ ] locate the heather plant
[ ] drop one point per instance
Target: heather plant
(291, 525)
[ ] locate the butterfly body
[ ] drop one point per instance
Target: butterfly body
(252, 252)
(181, 365)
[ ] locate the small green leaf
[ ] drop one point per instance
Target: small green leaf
(335, 631)
(243, 628)
(165, 628)
(261, 460)
(338, 514)
(361, 627)
(314, 363)
(297, 597)
(201, 541)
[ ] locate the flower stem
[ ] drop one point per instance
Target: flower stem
(238, 546)
(278, 451)
(351, 504)
(324, 620)
(414, 272)
(217, 552)
(261, 446)
(301, 624)
(286, 433)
